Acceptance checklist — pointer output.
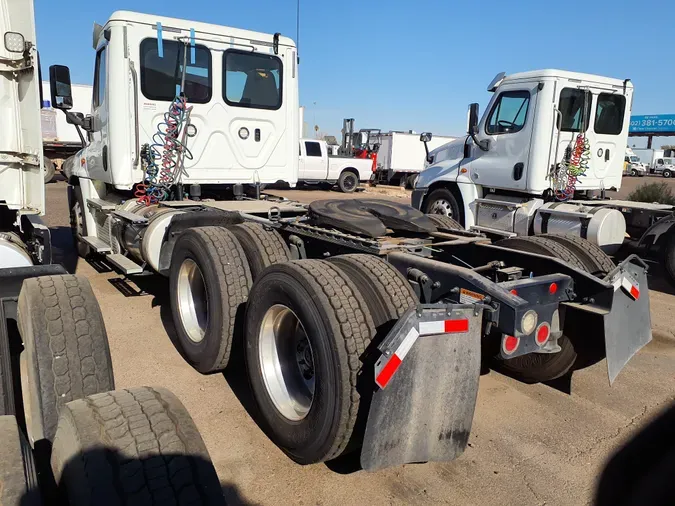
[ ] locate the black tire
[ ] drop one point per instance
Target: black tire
(136, 446)
(411, 181)
(595, 261)
(18, 476)
(443, 202)
(543, 246)
(668, 258)
(348, 181)
(633, 172)
(667, 174)
(67, 356)
(387, 293)
(78, 225)
(541, 367)
(50, 169)
(445, 222)
(262, 246)
(338, 327)
(226, 281)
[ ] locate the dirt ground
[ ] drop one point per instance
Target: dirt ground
(530, 444)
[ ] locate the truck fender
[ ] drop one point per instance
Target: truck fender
(469, 192)
(657, 235)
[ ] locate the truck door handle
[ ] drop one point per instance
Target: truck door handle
(607, 155)
(518, 171)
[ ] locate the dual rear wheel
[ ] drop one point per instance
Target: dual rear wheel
(307, 327)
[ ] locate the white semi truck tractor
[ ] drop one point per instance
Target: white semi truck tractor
(540, 161)
(65, 435)
(363, 322)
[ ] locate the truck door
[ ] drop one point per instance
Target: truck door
(508, 127)
(601, 116)
(315, 161)
(97, 152)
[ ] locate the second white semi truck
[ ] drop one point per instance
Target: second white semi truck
(540, 161)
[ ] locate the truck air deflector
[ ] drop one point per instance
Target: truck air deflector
(430, 366)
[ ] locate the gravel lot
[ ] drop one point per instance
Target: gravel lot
(530, 444)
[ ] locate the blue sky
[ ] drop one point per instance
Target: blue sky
(402, 64)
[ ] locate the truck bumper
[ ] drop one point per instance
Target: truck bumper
(426, 387)
(417, 197)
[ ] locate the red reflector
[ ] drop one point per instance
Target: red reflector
(542, 334)
(514, 291)
(457, 325)
(388, 371)
(511, 344)
(553, 288)
(634, 292)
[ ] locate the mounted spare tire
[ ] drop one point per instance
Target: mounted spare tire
(136, 446)
(307, 325)
(209, 282)
(66, 355)
(442, 221)
(541, 367)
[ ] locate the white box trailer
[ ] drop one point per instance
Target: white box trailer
(60, 139)
(401, 156)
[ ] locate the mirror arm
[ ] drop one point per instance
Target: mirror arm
(79, 132)
(484, 145)
(426, 148)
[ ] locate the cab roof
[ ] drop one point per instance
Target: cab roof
(565, 74)
(199, 27)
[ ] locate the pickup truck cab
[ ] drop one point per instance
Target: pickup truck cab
(317, 166)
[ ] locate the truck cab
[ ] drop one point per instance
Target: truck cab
(535, 124)
(664, 166)
(238, 90)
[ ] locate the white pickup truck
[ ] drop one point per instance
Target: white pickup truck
(316, 166)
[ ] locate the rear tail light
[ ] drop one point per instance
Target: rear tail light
(543, 333)
(510, 344)
(529, 322)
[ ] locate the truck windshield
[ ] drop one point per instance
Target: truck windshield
(572, 110)
(634, 159)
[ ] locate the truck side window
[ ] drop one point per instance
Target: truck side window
(609, 114)
(572, 110)
(99, 78)
(509, 113)
(313, 148)
(161, 76)
(252, 80)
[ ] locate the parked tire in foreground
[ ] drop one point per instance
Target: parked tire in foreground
(442, 221)
(18, 477)
(348, 182)
(442, 202)
(262, 246)
(541, 367)
(136, 446)
(209, 283)
(67, 356)
(307, 325)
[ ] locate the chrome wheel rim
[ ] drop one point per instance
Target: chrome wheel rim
(193, 301)
(441, 206)
(287, 362)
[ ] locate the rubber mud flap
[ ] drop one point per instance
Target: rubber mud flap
(628, 325)
(425, 411)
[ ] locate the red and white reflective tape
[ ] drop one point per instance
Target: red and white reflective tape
(425, 329)
(632, 288)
